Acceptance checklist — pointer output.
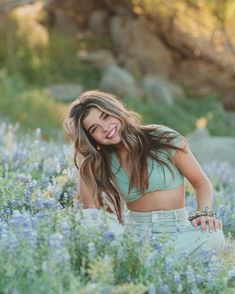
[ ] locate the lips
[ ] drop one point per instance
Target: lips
(111, 133)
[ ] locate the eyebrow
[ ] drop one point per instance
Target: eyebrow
(102, 113)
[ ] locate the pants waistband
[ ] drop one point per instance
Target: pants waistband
(147, 216)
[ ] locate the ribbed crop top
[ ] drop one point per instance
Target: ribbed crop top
(156, 172)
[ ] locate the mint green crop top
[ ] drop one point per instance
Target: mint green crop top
(157, 180)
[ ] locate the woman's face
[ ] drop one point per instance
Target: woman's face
(103, 127)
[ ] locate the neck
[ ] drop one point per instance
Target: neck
(120, 149)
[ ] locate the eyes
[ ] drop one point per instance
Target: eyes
(103, 116)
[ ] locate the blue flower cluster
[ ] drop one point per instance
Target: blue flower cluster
(48, 244)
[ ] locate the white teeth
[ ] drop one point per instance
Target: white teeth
(112, 133)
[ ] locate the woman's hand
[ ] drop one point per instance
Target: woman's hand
(214, 223)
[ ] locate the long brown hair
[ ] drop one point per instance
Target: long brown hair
(139, 141)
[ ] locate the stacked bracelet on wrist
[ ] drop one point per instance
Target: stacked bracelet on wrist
(204, 212)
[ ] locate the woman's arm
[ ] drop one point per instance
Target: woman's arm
(191, 170)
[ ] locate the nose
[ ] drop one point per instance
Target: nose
(105, 126)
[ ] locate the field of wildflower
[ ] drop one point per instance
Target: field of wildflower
(48, 246)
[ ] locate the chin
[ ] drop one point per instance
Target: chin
(114, 142)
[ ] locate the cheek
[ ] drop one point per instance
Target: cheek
(119, 123)
(97, 137)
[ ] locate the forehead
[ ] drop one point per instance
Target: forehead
(92, 117)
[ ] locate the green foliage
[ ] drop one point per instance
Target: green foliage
(29, 106)
(220, 123)
(153, 113)
(58, 62)
(101, 270)
(184, 115)
(26, 72)
(65, 49)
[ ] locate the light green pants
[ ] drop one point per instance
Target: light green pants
(173, 227)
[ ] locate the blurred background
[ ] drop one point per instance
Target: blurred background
(172, 61)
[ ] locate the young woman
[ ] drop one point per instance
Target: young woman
(121, 161)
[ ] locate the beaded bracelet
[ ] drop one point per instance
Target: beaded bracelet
(204, 212)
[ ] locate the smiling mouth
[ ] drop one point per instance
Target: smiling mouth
(111, 133)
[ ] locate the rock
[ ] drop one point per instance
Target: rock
(176, 91)
(208, 148)
(98, 22)
(100, 58)
(157, 91)
(65, 92)
(228, 99)
(69, 16)
(131, 65)
(200, 64)
(136, 39)
(62, 21)
(199, 77)
(117, 27)
(161, 90)
(170, 41)
(197, 44)
(119, 81)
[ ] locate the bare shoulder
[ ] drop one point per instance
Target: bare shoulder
(189, 166)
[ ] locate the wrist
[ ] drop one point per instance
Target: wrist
(203, 212)
(201, 207)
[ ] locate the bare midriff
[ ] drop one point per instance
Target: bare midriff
(159, 200)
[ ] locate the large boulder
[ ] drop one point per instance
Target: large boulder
(66, 92)
(136, 39)
(131, 65)
(120, 82)
(201, 78)
(60, 18)
(203, 56)
(162, 90)
(99, 22)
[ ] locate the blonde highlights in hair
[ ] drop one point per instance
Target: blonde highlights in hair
(95, 167)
